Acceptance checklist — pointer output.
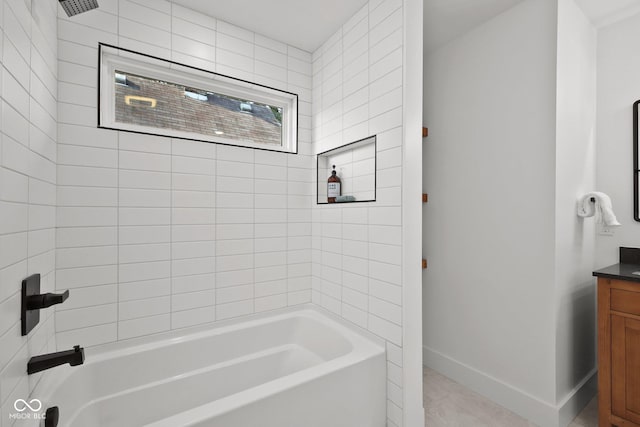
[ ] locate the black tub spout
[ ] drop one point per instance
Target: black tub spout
(46, 361)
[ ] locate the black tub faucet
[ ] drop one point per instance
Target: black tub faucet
(33, 301)
(46, 361)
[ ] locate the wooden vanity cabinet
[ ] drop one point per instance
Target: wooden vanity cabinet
(618, 353)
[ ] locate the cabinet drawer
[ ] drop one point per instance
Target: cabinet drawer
(625, 301)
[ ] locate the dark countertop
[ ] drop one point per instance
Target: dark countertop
(620, 272)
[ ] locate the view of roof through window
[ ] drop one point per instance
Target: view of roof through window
(160, 104)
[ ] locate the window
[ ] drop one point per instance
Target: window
(141, 93)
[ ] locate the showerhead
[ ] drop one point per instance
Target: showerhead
(74, 7)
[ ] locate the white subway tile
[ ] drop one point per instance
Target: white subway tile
(385, 329)
(234, 262)
(76, 114)
(87, 156)
(355, 315)
(235, 44)
(144, 143)
(185, 27)
(234, 293)
(86, 176)
(386, 46)
(270, 288)
(385, 253)
(194, 17)
(157, 50)
(234, 247)
(234, 200)
(270, 244)
(198, 316)
(15, 156)
(144, 253)
(184, 250)
(235, 61)
(191, 300)
(86, 256)
(84, 317)
(192, 182)
(17, 101)
(144, 180)
(13, 217)
(234, 277)
(144, 216)
(234, 169)
(86, 236)
(264, 274)
(235, 31)
(87, 196)
(192, 61)
(86, 216)
(234, 185)
(143, 326)
(267, 259)
(186, 267)
(193, 48)
(234, 309)
(144, 234)
(189, 233)
(42, 241)
(379, 12)
(144, 289)
(193, 216)
(144, 198)
(272, 302)
(385, 310)
(87, 337)
(86, 276)
(11, 275)
(386, 65)
(300, 297)
(385, 291)
(269, 216)
(234, 216)
(144, 161)
(144, 33)
(15, 186)
(195, 283)
(144, 271)
(180, 147)
(143, 308)
(90, 296)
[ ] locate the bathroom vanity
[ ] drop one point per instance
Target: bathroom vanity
(619, 342)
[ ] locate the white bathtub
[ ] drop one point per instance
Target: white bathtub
(293, 368)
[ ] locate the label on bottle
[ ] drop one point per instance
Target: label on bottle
(333, 189)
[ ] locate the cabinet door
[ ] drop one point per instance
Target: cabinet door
(625, 368)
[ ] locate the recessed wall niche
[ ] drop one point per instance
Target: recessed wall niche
(355, 166)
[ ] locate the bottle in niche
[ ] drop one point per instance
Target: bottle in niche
(333, 186)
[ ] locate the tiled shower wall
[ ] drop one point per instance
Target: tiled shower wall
(27, 185)
(357, 248)
(157, 233)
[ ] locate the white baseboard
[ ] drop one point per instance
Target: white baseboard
(527, 406)
(578, 398)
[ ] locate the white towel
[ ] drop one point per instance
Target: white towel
(602, 208)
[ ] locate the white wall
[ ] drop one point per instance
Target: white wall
(157, 233)
(575, 176)
(489, 169)
(27, 185)
(618, 88)
(357, 248)
(509, 301)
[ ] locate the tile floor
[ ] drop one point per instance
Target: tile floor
(449, 404)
